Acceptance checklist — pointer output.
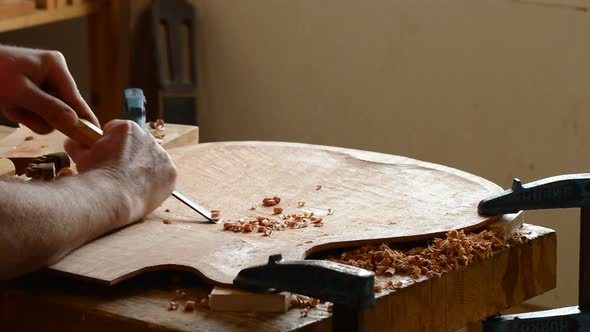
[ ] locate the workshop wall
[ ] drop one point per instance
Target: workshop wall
(497, 88)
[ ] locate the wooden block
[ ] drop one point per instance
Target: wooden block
(16, 8)
(225, 299)
(180, 135)
(6, 167)
(507, 225)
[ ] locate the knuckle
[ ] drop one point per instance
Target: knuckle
(53, 57)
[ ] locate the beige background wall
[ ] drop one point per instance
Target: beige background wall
(495, 88)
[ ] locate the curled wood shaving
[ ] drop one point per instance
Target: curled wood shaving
(267, 225)
(188, 304)
(215, 215)
(455, 251)
(66, 171)
(158, 124)
(304, 302)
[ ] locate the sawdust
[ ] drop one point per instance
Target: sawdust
(454, 252)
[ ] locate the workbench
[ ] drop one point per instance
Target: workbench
(49, 302)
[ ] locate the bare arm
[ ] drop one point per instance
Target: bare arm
(41, 222)
(124, 176)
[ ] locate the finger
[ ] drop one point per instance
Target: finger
(116, 125)
(54, 111)
(61, 81)
(75, 149)
(31, 120)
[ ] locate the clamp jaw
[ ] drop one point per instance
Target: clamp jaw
(565, 191)
(349, 288)
(556, 192)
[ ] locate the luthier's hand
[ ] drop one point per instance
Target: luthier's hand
(137, 163)
(37, 90)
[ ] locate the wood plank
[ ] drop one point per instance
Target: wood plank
(48, 16)
(23, 142)
(375, 198)
(141, 304)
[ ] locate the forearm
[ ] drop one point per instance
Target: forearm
(42, 222)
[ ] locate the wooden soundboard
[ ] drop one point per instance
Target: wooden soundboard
(374, 198)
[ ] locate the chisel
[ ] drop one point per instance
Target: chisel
(86, 133)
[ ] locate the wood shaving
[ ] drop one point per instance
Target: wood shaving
(454, 252)
(180, 293)
(157, 133)
(302, 301)
(189, 306)
(330, 212)
(267, 225)
(158, 124)
(277, 210)
(215, 215)
(172, 305)
(318, 187)
(66, 171)
(305, 302)
(204, 302)
(269, 202)
(167, 221)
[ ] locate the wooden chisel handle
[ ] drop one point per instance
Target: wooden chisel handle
(84, 132)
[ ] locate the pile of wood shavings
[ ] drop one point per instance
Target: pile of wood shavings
(157, 128)
(306, 303)
(454, 252)
(267, 225)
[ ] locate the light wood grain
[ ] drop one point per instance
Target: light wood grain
(375, 198)
(438, 304)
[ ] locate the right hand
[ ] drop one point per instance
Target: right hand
(37, 90)
(137, 162)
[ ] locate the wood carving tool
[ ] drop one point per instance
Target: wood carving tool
(86, 133)
(349, 288)
(565, 191)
